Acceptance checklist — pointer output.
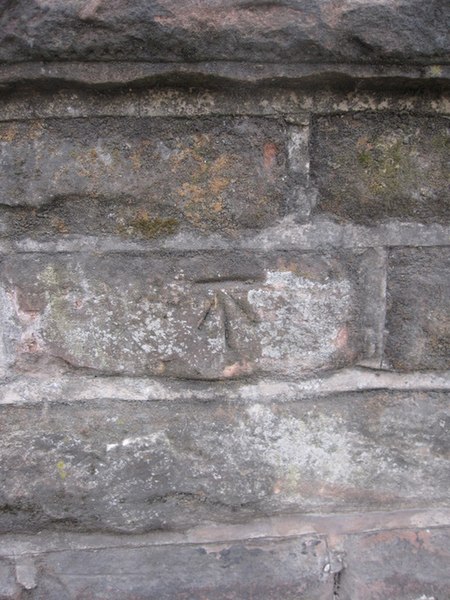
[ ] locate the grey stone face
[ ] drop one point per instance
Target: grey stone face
(216, 315)
(224, 300)
(396, 564)
(142, 178)
(418, 315)
(242, 570)
(370, 168)
(9, 588)
(230, 30)
(134, 467)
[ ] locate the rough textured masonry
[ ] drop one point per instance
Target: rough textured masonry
(224, 300)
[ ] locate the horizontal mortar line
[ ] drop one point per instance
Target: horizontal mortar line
(135, 107)
(74, 388)
(277, 528)
(311, 236)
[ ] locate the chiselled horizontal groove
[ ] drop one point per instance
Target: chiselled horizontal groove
(176, 102)
(113, 74)
(286, 235)
(34, 390)
(280, 527)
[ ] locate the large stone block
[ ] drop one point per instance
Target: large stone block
(135, 467)
(291, 31)
(215, 315)
(400, 564)
(372, 168)
(141, 177)
(243, 570)
(418, 311)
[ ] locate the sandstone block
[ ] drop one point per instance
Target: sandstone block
(140, 177)
(418, 314)
(136, 467)
(221, 315)
(373, 168)
(400, 564)
(244, 570)
(227, 30)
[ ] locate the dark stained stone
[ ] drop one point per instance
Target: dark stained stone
(370, 168)
(225, 30)
(262, 569)
(418, 311)
(142, 178)
(400, 564)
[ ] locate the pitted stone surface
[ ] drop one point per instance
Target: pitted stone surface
(134, 467)
(396, 564)
(418, 309)
(9, 588)
(224, 300)
(215, 315)
(243, 570)
(370, 168)
(225, 30)
(142, 178)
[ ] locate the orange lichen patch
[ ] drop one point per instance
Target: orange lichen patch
(8, 133)
(218, 184)
(136, 160)
(59, 225)
(92, 154)
(202, 194)
(36, 130)
(194, 192)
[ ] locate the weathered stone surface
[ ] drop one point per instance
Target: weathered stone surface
(231, 30)
(418, 314)
(372, 168)
(212, 315)
(9, 588)
(134, 467)
(142, 178)
(219, 75)
(402, 564)
(264, 569)
(274, 101)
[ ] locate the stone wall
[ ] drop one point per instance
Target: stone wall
(224, 300)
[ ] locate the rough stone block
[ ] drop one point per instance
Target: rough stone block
(418, 311)
(372, 168)
(141, 177)
(136, 467)
(264, 569)
(217, 316)
(229, 30)
(9, 588)
(400, 564)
